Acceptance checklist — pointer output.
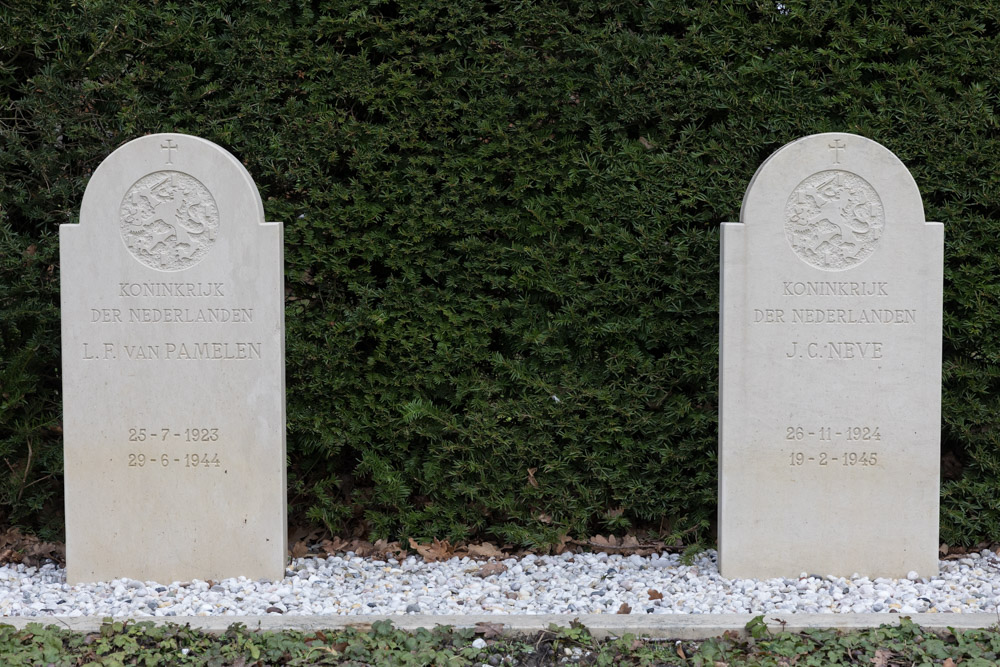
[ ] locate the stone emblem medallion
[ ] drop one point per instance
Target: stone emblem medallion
(834, 220)
(169, 220)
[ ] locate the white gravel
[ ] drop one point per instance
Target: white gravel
(566, 584)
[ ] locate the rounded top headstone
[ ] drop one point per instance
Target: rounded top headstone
(833, 194)
(174, 195)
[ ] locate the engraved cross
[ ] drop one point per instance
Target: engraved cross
(169, 146)
(836, 147)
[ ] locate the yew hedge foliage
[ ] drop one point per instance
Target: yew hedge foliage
(500, 231)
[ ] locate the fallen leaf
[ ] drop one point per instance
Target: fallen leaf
(299, 549)
(624, 609)
(16, 547)
(544, 518)
(489, 569)
(629, 544)
(362, 548)
(882, 657)
(435, 551)
(948, 662)
(680, 651)
(531, 477)
(563, 541)
(645, 143)
(333, 546)
(308, 534)
(489, 630)
(654, 594)
(389, 549)
(484, 550)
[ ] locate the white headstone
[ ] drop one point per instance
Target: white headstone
(173, 370)
(830, 368)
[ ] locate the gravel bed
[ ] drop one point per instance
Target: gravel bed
(566, 584)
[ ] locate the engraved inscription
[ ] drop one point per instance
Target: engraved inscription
(834, 316)
(843, 459)
(138, 434)
(191, 351)
(187, 315)
(107, 351)
(835, 288)
(169, 220)
(834, 220)
(170, 289)
(170, 146)
(836, 147)
(828, 433)
(189, 460)
(837, 350)
(106, 315)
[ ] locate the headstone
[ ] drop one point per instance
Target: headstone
(173, 370)
(830, 368)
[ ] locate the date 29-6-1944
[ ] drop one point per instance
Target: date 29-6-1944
(189, 460)
(165, 460)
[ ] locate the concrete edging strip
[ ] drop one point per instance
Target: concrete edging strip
(661, 626)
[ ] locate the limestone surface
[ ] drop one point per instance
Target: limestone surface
(173, 370)
(830, 368)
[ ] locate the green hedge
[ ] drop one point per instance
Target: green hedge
(500, 230)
